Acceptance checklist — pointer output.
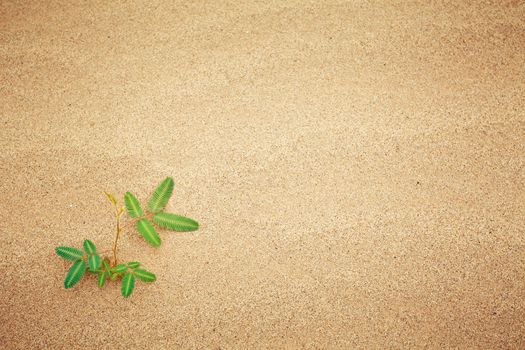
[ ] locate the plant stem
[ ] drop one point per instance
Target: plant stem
(117, 235)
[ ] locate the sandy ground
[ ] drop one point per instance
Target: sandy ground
(357, 169)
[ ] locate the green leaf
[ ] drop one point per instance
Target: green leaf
(102, 279)
(75, 274)
(106, 265)
(119, 268)
(69, 253)
(148, 232)
(89, 247)
(94, 262)
(175, 222)
(128, 283)
(114, 276)
(133, 264)
(133, 206)
(161, 196)
(144, 275)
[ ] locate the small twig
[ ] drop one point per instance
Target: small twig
(118, 214)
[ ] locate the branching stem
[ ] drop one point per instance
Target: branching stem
(118, 227)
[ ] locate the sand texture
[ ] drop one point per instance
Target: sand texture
(357, 168)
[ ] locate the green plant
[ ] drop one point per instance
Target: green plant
(155, 213)
(105, 268)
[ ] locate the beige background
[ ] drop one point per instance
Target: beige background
(357, 169)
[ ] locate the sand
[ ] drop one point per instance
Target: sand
(357, 169)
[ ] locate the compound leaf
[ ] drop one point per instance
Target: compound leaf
(148, 232)
(128, 283)
(89, 247)
(175, 222)
(69, 253)
(75, 274)
(133, 264)
(133, 206)
(106, 265)
(94, 262)
(144, 275)
(102, 279)
(161, 196)
(119, 268)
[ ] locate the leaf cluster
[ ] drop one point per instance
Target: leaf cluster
(88, 260)
(147, 222)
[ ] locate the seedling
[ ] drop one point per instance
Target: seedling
(147, 223)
